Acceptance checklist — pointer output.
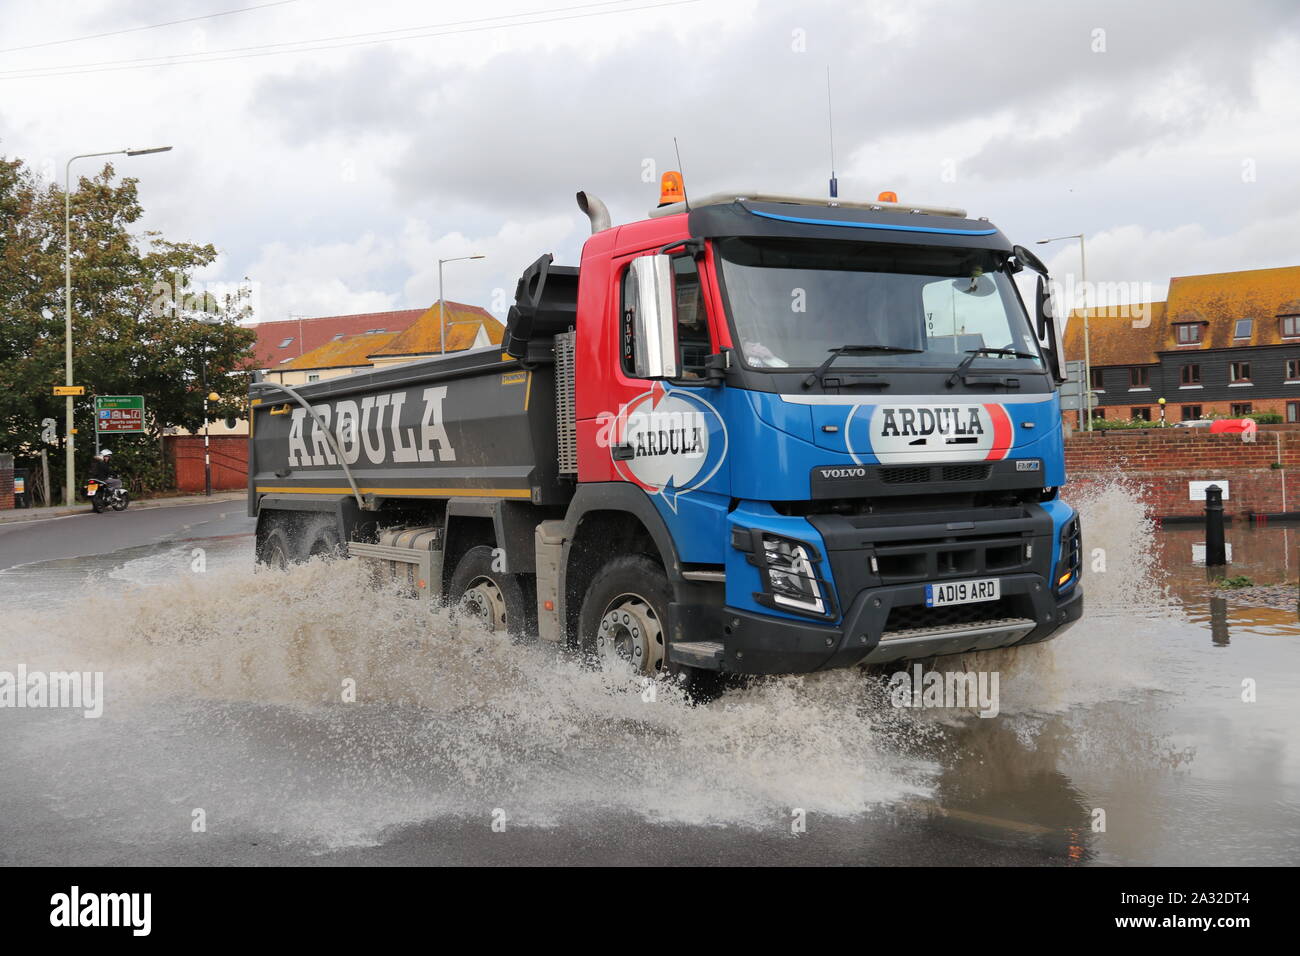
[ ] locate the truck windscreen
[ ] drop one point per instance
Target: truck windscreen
(793, 300)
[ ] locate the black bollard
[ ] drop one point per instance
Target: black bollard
(1215, 553)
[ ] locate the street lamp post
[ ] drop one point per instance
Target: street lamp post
(1087, 355)
(442, 308)
(70, 446)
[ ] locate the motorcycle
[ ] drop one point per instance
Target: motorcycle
(102, 496)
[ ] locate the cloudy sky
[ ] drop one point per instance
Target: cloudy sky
(333, 151)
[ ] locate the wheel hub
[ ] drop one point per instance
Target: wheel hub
(631, 633)
(484, 602)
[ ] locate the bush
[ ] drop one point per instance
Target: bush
(1266, 418)
(1112, 424)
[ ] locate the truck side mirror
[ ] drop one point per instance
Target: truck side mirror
(1049, 329)
(654, 319)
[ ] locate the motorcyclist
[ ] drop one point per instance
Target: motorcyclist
(101, 469)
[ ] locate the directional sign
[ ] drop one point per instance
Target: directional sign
(119, 413)
(69, 390)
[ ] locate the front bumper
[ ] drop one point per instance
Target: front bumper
(763, 644)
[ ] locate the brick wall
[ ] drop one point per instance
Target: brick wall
(6, 481)
(229, 462)
(1164, 460)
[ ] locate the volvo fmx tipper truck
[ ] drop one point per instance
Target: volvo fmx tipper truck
(754, 434)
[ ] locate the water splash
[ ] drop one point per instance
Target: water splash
(225, 689)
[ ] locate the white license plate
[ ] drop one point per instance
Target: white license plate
(962, 592)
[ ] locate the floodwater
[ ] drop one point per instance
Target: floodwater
(306, 717)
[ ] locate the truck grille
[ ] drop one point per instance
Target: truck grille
(566, 429)
(918, 615)
(919, 474)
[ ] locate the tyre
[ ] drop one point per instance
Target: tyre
(495, 599)
(122, 500)
(321, 540)
(95, 505)
(624, 620)
(275, 550)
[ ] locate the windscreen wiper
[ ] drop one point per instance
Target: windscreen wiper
(972, 354)
(816, 376)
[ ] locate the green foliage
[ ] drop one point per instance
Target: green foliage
(1266, 418)
(1236, 583)
(138, 326)
(1114, 424)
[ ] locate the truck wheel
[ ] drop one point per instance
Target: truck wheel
(275, 549)
(323, 540)
(493, 598)
(624, 617)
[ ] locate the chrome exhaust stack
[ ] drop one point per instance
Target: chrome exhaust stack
(595, 210)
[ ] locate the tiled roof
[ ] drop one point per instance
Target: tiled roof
(1223, 298)
(1112, 337)
(1217, 300)
(462, 322)
(348, 352)
(277, 341)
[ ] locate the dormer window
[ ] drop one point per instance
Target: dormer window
(1290, 326)
(1243, 328)
(1190, 333)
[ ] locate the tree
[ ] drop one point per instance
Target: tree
(139, 325)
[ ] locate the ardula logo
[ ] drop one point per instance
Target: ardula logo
(668, 441)
(922, 433)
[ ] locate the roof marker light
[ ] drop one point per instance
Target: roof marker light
(887, 196)
(671, 188)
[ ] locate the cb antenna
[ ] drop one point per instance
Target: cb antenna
(830, 126)
(682, 170)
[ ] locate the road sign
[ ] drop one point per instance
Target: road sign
(69, 390)
(119, 413)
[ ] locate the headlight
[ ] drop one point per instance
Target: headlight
(1070, 564)
(787, 569)
(790, 577)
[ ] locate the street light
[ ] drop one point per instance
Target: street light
(442, 308)
(67, 297)
(1087, 355)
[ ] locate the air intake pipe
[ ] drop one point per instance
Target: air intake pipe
(595, 210)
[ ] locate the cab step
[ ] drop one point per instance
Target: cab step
(705, 654)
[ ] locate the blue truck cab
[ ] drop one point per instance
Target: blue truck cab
(882, 454)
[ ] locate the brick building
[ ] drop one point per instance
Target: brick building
(1226, 345)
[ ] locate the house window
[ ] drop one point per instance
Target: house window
(1292, 369)
(1290, 326)
(1095, 378)
(1099, 413)
(1191, 374)
(1191, 413)
(313, 376)
(1293, 412)
(1139, 376)
(1189, 333)
(1240, 409)
(1243, 328)
(1141, 414)
(287, 342)
(1239, 372)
